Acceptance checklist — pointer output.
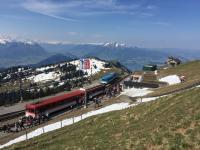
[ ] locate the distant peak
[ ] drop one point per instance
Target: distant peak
(115, 45)
(5, 40)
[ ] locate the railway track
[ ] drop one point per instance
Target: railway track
(11, 115)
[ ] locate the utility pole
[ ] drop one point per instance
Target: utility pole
(81, 72)
(20, 86)
(91, 70)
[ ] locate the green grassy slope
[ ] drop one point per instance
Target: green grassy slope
(168, 123)
(190, 70)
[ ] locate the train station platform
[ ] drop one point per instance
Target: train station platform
(21, 106)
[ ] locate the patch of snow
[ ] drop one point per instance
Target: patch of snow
(93, 62)
(45, 77)
(45, 68)
(7, 77)
(29, 42)
(172, 79)
(99, 66)
(62, 64)
(61, 83)
(4, 40)
(20, 69)
(136, 92)
(148, 99)
(115, 45)
(51, 86)
(198, 86)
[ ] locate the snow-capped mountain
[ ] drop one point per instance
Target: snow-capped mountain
(15, 49)
(4, 40)
(115, 45)
(7, 40)
(20, 52)
(131, 57)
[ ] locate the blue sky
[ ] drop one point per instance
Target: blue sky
(143, 23)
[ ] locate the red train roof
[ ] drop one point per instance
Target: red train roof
(54, 99)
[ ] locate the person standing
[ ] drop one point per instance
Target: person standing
(4, 128)
(16, 126)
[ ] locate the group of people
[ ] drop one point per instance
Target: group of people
(111, 92)
(24, 122)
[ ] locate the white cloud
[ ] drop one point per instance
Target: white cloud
(162, 23)
(72, 33)
(66, 10)
(151, 7)
(45, 8)
(146, 14)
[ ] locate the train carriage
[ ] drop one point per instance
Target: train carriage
(77, 97)
(108, 78)
(94, 91)
(51, 105)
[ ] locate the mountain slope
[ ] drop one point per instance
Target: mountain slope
(20, 49)
(57, 58)
(131, 57)
(13, 53)
(140, 127)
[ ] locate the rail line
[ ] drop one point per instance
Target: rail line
(11, 115)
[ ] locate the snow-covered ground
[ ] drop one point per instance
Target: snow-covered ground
(7, 77)
(172, 79)
(45, 68)
(43, 77)
(136, 92)
(198, 86)
(96, 66)
(99, 66)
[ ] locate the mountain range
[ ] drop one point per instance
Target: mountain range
(13, 52)
(132, 57)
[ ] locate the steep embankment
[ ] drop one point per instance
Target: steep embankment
(167, 123)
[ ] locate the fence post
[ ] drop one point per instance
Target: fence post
(81, 117)
(42, 129)
(73, 120)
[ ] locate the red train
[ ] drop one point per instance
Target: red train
(74, 98)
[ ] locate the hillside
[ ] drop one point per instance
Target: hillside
(190, 70)
(51, 79)
(57, 58)
(15, 53)
(140, 127)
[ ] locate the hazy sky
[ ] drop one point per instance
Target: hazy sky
(144, 23)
